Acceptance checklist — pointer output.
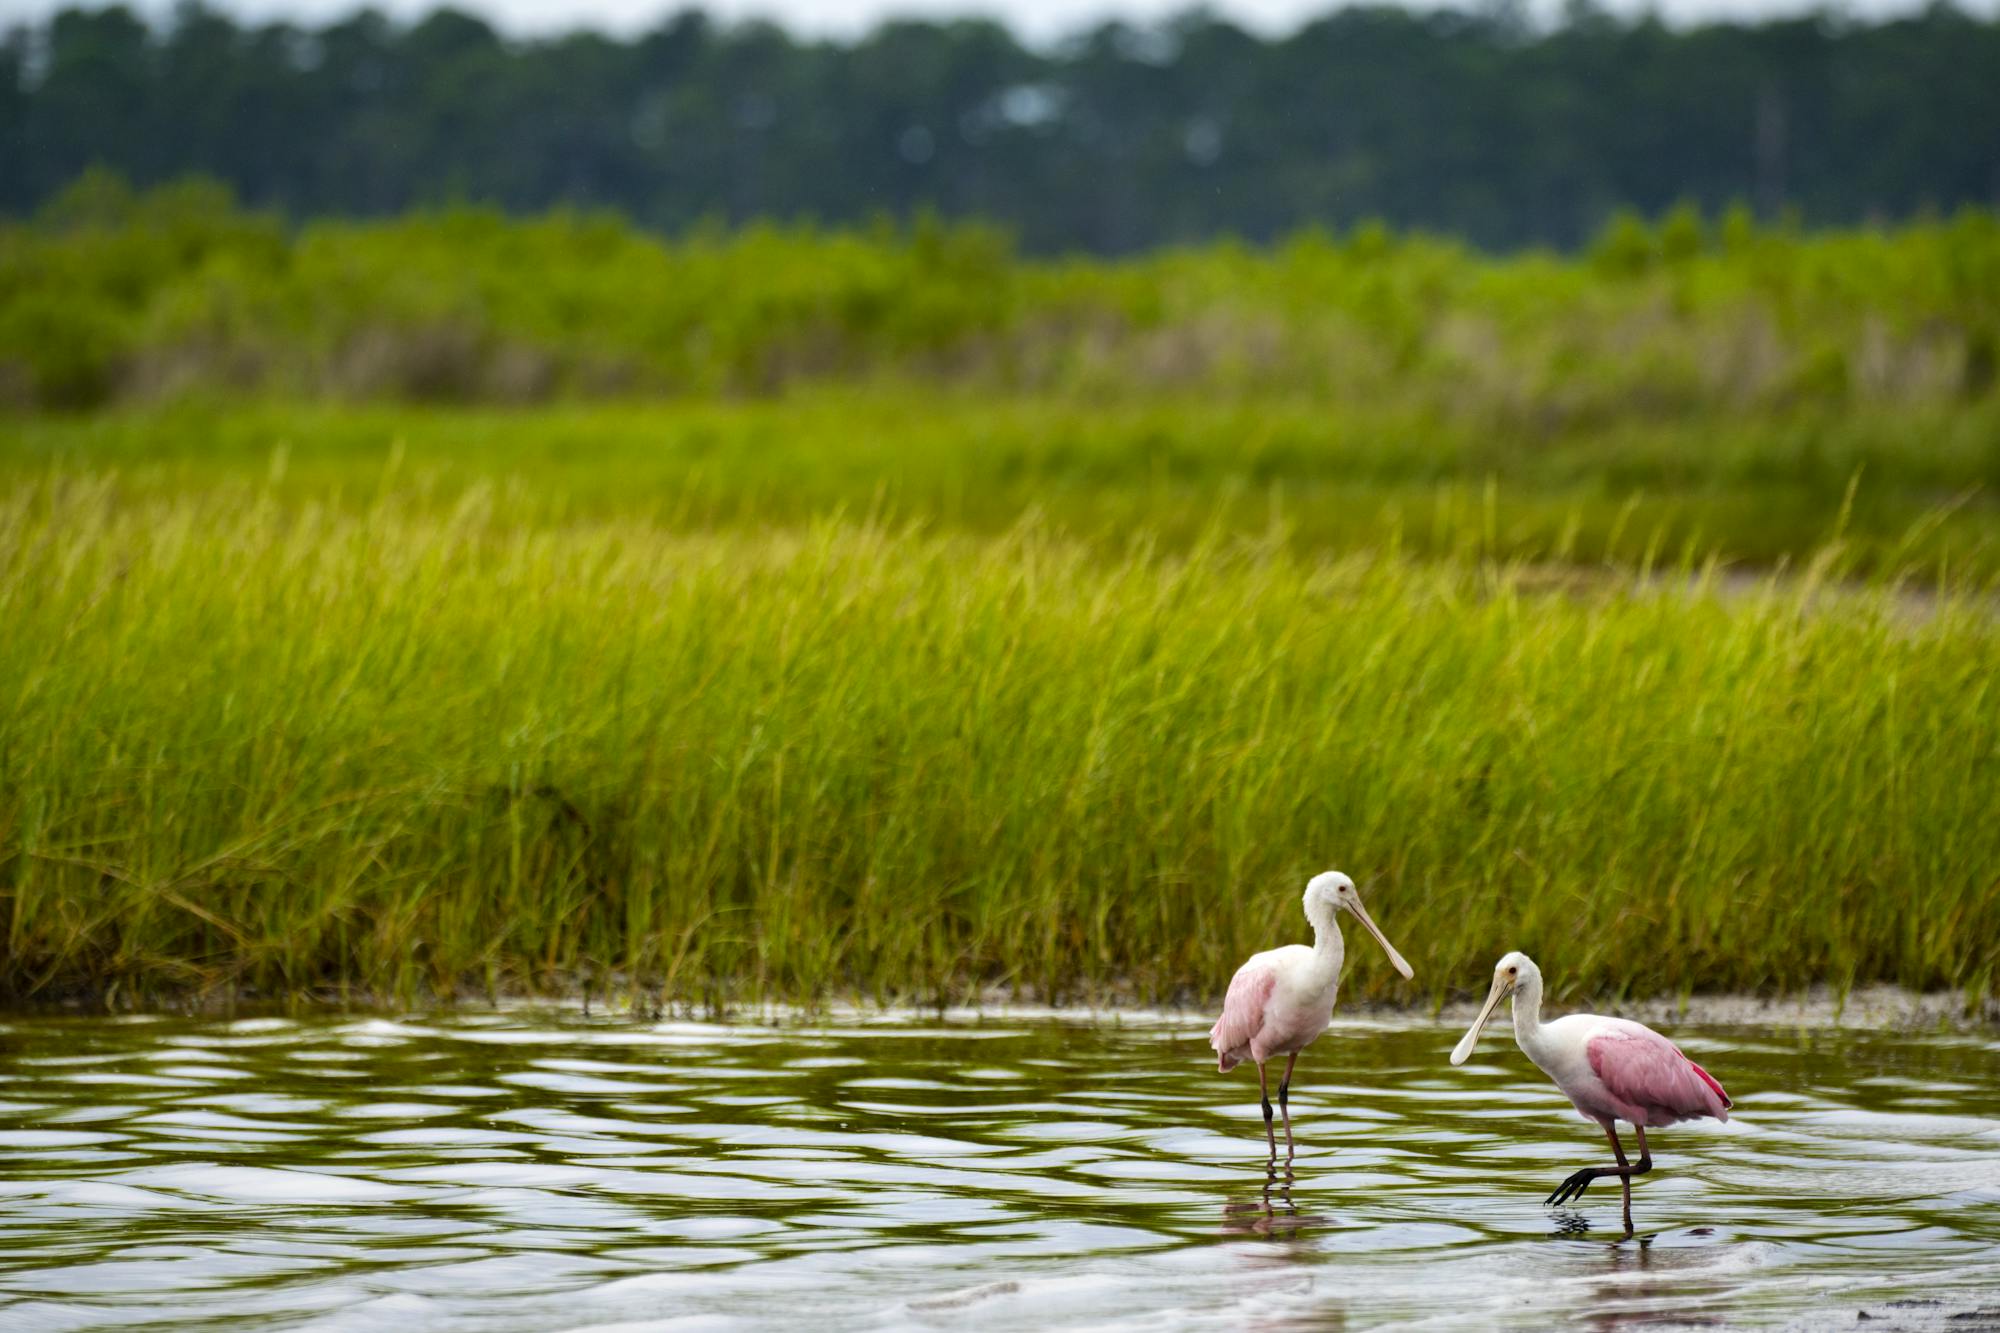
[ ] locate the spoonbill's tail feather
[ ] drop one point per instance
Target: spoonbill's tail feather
(1709, 1079)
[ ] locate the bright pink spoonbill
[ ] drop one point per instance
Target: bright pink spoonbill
(1282, 998)
(1612, 1068)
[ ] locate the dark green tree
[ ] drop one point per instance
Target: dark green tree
(1471, 122)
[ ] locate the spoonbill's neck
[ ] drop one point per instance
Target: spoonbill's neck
(1328, 950)
(1528, 1015)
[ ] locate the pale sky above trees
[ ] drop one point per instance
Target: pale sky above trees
(1035, 20)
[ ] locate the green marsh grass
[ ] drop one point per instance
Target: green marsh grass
(1910, 491)
(426, 742)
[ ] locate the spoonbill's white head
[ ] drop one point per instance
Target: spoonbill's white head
(1331, 892)
(1512, 973)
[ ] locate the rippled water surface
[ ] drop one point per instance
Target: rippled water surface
(529, 1170)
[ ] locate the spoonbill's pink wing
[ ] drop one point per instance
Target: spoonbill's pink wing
(1649, 1075)
(1242, 1012)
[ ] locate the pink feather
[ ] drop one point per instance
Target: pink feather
(1242, 1012)
(1647, 1079)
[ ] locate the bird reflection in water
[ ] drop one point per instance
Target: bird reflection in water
(1271, 1212)
(1573, 1225)
(1570, 1225)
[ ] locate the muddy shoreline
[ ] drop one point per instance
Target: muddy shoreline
(1870, 1008)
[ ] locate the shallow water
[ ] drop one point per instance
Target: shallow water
(534, 1170)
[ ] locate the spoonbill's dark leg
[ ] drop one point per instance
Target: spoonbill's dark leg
(1264, 1095)
(1285, 1105)
(1574, 1187)
(1645, 1165)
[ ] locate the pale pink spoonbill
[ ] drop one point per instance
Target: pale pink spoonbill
(1612, 1068)
(1282, 998)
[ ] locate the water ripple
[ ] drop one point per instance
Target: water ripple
(533, 1171)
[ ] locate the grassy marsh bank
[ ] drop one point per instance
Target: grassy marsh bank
(418, 742)
(887, 613)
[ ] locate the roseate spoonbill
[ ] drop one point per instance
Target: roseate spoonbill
(1612, 1068)
(1282, 998)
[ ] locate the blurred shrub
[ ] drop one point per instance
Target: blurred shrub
(1624, 249)
(111, 294)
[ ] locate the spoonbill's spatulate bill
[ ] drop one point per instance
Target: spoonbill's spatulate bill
(1612, 1068)
(1282, 998)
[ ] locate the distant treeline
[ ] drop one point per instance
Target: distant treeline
(110, 294)
(1474, 124)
